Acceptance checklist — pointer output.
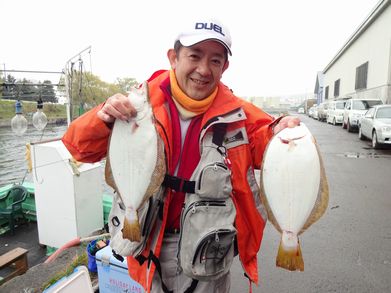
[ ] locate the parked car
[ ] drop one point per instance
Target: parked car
(354, 110)
(376, 125)
(335, 112)
(300, 110)
(311, 111)
(315, 112)
(322, 111)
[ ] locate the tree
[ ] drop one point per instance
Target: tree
(9, 90)
(25, 90)
(47, 92)
(126, 83)
(87, 90)
(2, 86)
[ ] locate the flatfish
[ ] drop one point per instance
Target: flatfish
(135, 163)
(294, 190)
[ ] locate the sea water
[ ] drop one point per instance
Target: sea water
(13, 164)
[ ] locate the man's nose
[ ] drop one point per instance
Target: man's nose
(204, 68)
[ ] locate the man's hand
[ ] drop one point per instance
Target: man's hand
(117, 107)
(287, 121)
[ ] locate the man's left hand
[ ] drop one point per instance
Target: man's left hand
(287, 121)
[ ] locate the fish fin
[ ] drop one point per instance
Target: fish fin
(322, 200)
(289, 256)
(131, 229)
(159, 172)
(109, 174)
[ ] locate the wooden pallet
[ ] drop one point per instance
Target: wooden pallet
(16, 260)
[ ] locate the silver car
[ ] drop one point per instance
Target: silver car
(376, 125)
(355, 110)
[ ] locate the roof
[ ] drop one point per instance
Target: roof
(373, 15)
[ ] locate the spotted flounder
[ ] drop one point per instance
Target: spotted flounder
(135, 164)
(294, 190)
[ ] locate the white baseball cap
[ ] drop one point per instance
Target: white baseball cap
(205, 29)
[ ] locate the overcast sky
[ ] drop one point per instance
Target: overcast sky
(278, 46)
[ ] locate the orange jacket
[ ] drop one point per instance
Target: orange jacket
(87, 139)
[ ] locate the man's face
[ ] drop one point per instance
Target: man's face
(199, 68)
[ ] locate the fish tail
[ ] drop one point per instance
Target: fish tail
(289, 253)
(131, 229)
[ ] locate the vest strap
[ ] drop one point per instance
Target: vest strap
(151, 257)
(192, 286)
(219, 131)
(179, 184)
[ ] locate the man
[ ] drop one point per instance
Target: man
(188, 102)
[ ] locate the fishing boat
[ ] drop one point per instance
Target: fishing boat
(62, 203)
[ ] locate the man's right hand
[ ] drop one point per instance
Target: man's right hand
(117, 107)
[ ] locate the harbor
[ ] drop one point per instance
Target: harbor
(237, 226)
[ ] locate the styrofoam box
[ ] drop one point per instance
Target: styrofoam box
(113, 274)
(78, 281)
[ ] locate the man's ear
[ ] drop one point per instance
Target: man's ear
(226, 65)
(172, 58)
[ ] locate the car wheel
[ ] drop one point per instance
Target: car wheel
(375, 143)
(360, 136)
(349, 127)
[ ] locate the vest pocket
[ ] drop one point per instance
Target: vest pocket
(214, 252)
(206, 244)
(214, 181)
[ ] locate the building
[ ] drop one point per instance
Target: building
(318, 92)
(362, 67)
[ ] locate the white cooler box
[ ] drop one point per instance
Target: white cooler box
(113, 274)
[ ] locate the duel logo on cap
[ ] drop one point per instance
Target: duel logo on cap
(200, 31)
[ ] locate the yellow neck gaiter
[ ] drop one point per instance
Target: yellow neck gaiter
(187, 107)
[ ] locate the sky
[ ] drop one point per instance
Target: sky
(277, 46)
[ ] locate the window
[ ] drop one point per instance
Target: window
(340, 105)
(370, 112)
(361, 76)
(365, 104)
(383, 113)
(326, 93)
(336, 87)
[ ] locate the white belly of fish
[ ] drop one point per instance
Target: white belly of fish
(291, 177)
(133, 156)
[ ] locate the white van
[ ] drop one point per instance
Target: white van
(323, 108)
(354, 110)
(335, 112)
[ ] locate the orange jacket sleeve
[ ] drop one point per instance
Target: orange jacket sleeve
(259, 126)
(87, 137)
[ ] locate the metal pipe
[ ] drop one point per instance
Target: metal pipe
(31, 71)
(32, 84)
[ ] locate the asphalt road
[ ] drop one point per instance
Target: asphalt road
(349, 248)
